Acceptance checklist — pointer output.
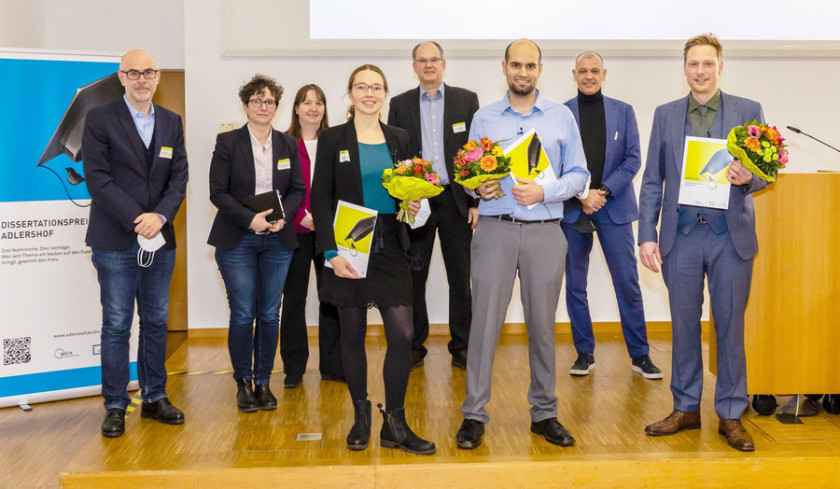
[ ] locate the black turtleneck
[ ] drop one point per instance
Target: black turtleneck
(593, 133)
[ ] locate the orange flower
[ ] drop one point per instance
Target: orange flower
(486, 143)
(464, 173)
(488, 163)
(753, 144)
(469, 146)
(772, 134)
(400, 170)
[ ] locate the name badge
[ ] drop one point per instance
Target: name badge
(166, 152)
(283, 164)
(343, 156)
(459, 127)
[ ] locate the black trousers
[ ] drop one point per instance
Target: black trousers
(455, 236)
(294, 345)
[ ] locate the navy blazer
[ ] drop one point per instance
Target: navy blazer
(663, 171)
(121, 184)
(233, 179)
(622, 161)
(336, 180)
(459, 106)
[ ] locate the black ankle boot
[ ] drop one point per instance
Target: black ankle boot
(396, 434)
(360, 432)
(245, 399)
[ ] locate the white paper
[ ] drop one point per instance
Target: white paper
(703, 180)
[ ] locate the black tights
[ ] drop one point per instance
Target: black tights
(399, 331)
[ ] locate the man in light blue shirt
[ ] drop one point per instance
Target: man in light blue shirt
(511, 238)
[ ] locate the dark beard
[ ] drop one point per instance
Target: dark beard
(527, 91)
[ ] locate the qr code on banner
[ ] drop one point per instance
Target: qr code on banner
(17, 350)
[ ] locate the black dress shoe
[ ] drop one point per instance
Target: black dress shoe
(334, 378)
(245, 398)
(459, 359)
(469, 434)
(416, 359)
(553, 431)
(114, 423)
(292, 381)
(265, 399)
(163, 411)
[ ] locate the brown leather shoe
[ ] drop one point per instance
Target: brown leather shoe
(675, 422)
(736, 435)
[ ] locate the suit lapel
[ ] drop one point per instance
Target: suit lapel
(414, 117)
(131, 132)
(677, 128)
(243, 141)
(611, 125)
(731, 116)
(351, 142)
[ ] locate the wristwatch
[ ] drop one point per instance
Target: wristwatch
(608, 193)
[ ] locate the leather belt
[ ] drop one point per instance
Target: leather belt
(505, 217)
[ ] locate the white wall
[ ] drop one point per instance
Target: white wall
(794, 91)
(97, 26)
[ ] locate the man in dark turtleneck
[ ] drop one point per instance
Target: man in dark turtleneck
(611, 144)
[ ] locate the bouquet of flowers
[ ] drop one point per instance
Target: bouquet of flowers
(479, 161)
(759, 147)
(412, 179)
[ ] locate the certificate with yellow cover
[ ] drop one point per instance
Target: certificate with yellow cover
(528, 160)
(703, 182)
(354, 226)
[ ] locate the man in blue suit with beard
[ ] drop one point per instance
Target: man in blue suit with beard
(698, 242)
(611, 143)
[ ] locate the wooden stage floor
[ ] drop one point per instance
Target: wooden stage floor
(221, 447)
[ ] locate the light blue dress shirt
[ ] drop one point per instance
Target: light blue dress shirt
(145, 126)
(560, 138)
(431, 130)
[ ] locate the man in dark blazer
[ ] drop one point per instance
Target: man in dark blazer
(437, 118)
(694, 242)
(611, 143)
(135, 167)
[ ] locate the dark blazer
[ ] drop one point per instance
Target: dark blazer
(121, 184)
(622, 161)
(336, 180)
(459, 105)
(232, 180)
(663, 169)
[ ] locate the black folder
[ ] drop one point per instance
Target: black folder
(265, 201)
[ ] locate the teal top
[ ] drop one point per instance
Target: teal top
(373, 160)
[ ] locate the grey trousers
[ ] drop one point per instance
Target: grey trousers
(499, 250)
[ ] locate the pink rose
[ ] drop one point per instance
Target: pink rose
(783, 158)
(475, 154)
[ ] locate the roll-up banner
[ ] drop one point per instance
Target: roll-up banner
(50, 314)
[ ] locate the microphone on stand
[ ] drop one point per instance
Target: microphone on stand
(799, 131)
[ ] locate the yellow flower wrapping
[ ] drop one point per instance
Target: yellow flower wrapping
(476, 181)
(408, 187)
(741, 154)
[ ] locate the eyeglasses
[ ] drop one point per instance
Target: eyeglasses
(149, 74)
(258, 102)
(431, 61)
(364, 87)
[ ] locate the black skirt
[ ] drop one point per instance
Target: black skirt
(388, 280)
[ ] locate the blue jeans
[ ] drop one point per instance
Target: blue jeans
(254, 274)
(122, 282)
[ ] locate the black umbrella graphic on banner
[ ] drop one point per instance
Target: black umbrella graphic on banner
(716, 163)
(534, 149)
(360, 231)
(67, 138)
